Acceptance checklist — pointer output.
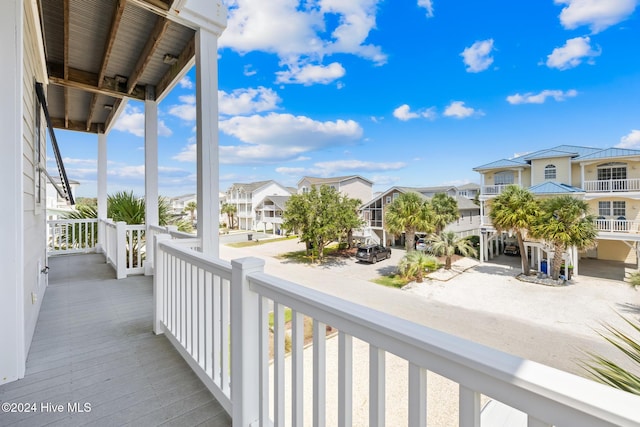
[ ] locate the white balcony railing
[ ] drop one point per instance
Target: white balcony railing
(618, 225)
(66, 236)
(214, 312)
(493, 190)
(612, 185)
(124, 247)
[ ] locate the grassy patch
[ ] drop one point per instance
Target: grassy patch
(259, 242)
(287, 317)
(330, 252)
(392, 281)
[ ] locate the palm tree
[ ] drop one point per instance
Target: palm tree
(230, 210)
(409, 213)
(611, 373)
(415, 263)
(515, 209)
(445, 211)
(191, 207)
(564, 222)
(447, 243)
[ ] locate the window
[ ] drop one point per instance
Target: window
(503, 178)
(615, 209)
(395, 195)
(37, 153)
(550, 172)
(388, 199)
(612, 171)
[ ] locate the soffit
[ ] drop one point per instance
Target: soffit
(101, 52)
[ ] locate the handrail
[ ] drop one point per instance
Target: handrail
(234, 309)
(66, 236)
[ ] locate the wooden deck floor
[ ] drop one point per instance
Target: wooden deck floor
(94, 345)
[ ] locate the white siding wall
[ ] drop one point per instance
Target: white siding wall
(357, 189)
(12, 356)
(34, 217)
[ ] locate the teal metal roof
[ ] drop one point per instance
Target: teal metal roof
(551, 187)
(545, 154)
(503, 163)
(609, 153)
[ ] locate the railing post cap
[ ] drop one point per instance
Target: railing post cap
(248, 262)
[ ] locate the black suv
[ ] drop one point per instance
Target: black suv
(372, 253)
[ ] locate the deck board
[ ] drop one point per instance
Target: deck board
(94, 343)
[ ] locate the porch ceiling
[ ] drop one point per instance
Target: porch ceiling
(99, 52)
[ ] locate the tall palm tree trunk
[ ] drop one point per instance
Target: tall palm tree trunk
(557, 261)
(524, 254)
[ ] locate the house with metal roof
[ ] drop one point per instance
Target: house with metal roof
(608, 179)
(372, 212)
(354, 186)
(248, 197)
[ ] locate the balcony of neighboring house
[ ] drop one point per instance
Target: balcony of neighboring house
(612, 185)
(493, 190)
(219, 356)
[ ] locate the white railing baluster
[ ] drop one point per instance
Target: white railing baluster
(469, 407)
(297, 368)
(225, 382)
(209, 326)
(376, 386)
(319, 373)
(278, 364)
(202, 319)
(217, 329)
(417, 396)
(263, 372)
(345, 380)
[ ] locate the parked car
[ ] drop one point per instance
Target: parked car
(373, 253)
(421, 244)
(511, 249)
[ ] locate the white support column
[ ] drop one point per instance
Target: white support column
(102, 189)
(207, 140)
(582, 175)
(483, 235)
(150, 166)
(12, 298)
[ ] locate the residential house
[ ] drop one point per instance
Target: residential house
(73, 65)
(269, 213)
(373, 213)
(247, 197)
(178, 203)
(353, 186)
(57, 204)
(607, 179)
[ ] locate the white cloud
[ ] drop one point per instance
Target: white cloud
(248, 71)
(478, 57)
(71, 161)
(132, 121)
(384, 180)
(247, 101)
(137, 172)
(311, 74)
(186, 83)
(572, 54)
(302, 33)
(541, 97)
(337, 167)
(458, 110)
(428, 5)
(632, 140)
(277, 137)
(185, 111)
(404, 113)
(597, 14)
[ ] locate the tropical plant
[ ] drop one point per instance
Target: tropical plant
(564, 221)
(634, 280)
(414, 264)
(514, 210)
(229, 210)
(409, 213)
(191, 207)
(125, 206)
(447, 244)
(611, 373)
(79, 235)
(320, 216)
(445, 211)
(348, 218)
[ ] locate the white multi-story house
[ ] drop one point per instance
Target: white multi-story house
(73, 64)
(373, 212)
(57, 204)
(608, 179)
(247, 197)
(353, 186)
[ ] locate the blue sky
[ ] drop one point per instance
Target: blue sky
(403, 92)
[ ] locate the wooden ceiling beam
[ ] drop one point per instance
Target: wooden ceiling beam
(113, 31)
(66, 13)
(184, 58)
(147, 52)
(87, 81)
(76, 125)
